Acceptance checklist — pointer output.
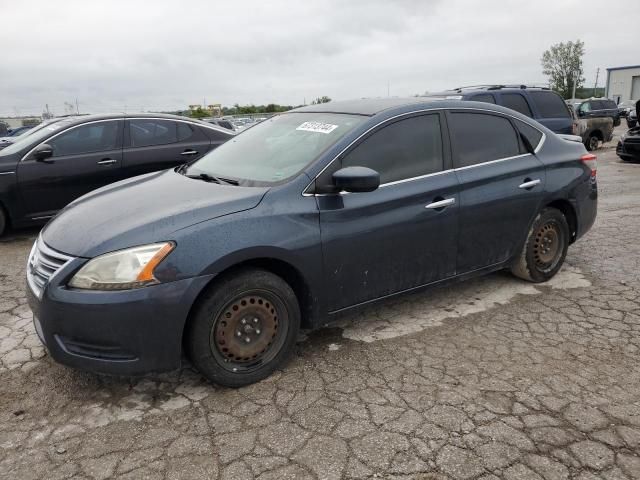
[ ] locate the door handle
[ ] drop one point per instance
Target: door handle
(107, 161)
(529, 183)
(441, 203)
(189, 152)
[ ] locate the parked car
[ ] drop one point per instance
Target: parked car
(541, 104)
(6, 141)
(592, 130)
(43, 171)
(14, 132)
(628, 147)
(625, 107)
(303, 216)
(632, 117)
(598, 108)
(221, 122)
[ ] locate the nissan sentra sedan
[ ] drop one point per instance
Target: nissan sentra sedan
(306, 215)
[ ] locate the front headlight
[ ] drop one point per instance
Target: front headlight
(122, 270)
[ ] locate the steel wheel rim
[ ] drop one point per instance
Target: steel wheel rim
(249, 331)
(547, 248)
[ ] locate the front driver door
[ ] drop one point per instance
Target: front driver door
(401, 235)
(85, 157)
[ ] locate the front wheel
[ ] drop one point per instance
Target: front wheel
(243, 328)
(545, 249)
(631, 124)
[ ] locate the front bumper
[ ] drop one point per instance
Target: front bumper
(127, 332)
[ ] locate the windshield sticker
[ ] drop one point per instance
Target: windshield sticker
(317, 127)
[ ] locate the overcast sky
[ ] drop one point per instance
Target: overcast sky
(161, 55)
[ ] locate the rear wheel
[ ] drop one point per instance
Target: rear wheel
(592, 142)
(545, 249)
(631, 123)
(243, 328)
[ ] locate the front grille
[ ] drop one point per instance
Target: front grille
(43, 264)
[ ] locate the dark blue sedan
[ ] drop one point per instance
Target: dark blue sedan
(305, 215)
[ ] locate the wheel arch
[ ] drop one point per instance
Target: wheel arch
(285, 270)
(569, 212)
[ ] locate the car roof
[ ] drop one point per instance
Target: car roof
(79, 119)
(374, 106)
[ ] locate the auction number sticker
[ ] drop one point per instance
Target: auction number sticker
(318, 127)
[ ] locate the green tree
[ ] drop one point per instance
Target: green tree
(319, 100)
(562, 63)
(200, 113)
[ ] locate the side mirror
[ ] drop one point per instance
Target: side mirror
(581, 113)
(356, 179)
(42, 152)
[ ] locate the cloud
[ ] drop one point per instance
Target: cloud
(165, 55)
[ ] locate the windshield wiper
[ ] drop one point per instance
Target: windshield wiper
(211, 178)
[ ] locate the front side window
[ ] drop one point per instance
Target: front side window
(516, 102)
(92, 137)
(549, 104)
(405, 149)
(277, 148)
(149, 132)
(478, 138)
(585, 107)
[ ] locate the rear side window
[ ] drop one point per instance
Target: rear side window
(405, 149)
(549, 104)
(533, 135)
(145, 133)
(185, 131)
(597, 105)
(516, 102)
(479, 137)
(483, 97)
(610, 104)
(93, 137)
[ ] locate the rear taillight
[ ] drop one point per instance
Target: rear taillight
(591, 161)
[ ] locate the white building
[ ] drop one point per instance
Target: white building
(623, 83)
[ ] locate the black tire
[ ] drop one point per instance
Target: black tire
(545, 249)
(224, 317)
(3, 221)
(631, 124)
(592, 142)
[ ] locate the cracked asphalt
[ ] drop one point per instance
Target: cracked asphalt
(492, 378)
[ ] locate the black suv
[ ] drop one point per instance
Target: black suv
(540, 103)
(598, 108)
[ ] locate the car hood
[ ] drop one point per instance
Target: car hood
(142, 210)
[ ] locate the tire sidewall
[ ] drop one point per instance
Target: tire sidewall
(206, 313)
(547, 215)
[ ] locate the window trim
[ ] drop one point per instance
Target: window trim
(543, 138)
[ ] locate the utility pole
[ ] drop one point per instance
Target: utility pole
(388, 88)
(595, 87)
(575, 80)
(77, 107)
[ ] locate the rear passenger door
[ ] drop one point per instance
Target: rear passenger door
(153, 144)
(501, 186)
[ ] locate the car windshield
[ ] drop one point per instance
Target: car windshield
(275, 149)
(33, 136)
